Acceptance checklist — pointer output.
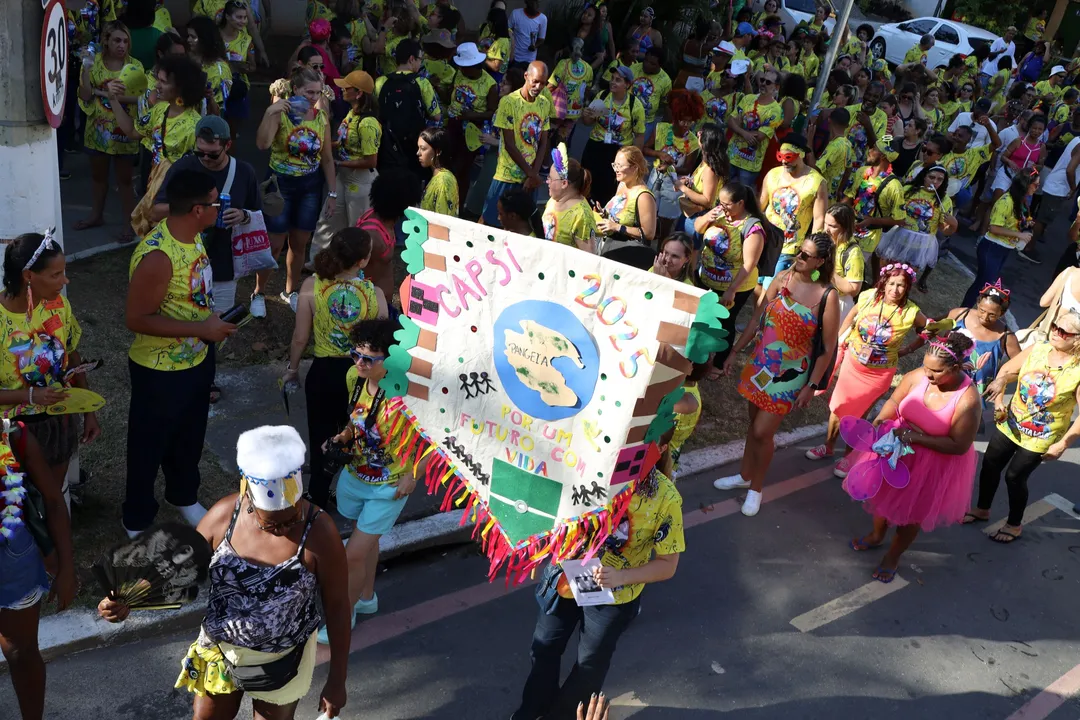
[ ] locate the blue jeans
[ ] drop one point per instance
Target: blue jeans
(991, 259)
(22, 571)
(491, 202)
(746, 177)
(601, 627)
(303, 196)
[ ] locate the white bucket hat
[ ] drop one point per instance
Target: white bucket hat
(468, 55)
(1058, 70)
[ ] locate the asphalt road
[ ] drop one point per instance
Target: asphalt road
(970, 629)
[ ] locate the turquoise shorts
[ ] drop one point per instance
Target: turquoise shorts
(372, 506)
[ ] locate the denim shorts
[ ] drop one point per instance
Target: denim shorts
(491, 202)
(22, 572)
(373, 507)
(303, 203)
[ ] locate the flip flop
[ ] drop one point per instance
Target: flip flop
(87, 224)
(860, 544)
(884, 575)
(971, 518)
(1004, 537)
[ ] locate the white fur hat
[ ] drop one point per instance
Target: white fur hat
(270, 458)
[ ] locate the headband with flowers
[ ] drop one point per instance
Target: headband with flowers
(908, 270)
(561, 161)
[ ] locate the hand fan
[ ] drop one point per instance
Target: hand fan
(161, 569)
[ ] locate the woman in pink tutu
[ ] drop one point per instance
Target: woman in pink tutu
(936, 412)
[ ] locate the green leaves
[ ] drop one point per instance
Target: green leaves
(665, 415)
(706, 334)
(415, 228)
(398, 362)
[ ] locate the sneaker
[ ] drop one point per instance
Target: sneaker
(751, 504)
(291, 298)
(192, 514)
(323, 639)
(367, 607)
(1030, 255)
(819, 453)
(257, 308)
(842, 468)
(731, 482)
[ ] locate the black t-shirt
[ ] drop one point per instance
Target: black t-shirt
(905, 158)
(243, 194)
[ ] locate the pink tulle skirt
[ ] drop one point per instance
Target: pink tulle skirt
(938, 494)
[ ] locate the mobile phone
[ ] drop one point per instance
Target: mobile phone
(235, 314)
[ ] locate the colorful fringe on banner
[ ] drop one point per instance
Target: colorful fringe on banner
(579, 537)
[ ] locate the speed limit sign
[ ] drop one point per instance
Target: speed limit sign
(54, 62)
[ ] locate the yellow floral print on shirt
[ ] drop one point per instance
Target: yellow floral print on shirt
(34, 352)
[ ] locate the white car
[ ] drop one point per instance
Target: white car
(893, 40)
(794, 12)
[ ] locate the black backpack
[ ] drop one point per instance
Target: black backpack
(401, 112)
(774, 244)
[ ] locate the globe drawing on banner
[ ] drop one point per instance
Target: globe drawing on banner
(549, 366)
(531, 382)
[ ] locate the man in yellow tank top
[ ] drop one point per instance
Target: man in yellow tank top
(170, 308)
(794, 197)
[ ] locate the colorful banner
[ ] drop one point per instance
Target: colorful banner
(539, 378)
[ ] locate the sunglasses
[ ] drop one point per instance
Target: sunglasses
(804, 256)
(363, 359)
(765, 81)
(211, 155)
(320, 66)
(1063, 333)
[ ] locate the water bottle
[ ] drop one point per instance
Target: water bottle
(352, 53)
(88, 54)
(224, 199)
(298, 107)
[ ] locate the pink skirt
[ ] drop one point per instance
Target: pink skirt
(857, 387)
(938, 494)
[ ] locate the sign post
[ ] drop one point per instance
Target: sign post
(54, 62)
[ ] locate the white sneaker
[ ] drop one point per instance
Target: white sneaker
(257, 308)
(292, 298)
(752, 503)
(192, 514)
(731, 482)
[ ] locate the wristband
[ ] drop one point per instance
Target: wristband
(30, 398)
(332, 194)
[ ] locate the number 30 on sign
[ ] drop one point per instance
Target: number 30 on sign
(54, 62)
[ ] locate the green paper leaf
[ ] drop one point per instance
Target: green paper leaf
(415, 227)
(706, 332)
(408, 334)
(665, 415)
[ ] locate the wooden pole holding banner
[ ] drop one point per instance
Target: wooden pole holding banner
(830, 55)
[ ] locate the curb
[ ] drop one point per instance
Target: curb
(81, 629)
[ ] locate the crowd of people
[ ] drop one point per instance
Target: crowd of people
(820, 221)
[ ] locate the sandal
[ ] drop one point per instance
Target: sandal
(215, 394)
(971, 518)
(1004, 537)
(884, 574)
(87, 224)
(714, 375)
(860, 544)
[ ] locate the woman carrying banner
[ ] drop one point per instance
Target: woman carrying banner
(643, 549)
(796, 326)
(331, 303)
(275, 555)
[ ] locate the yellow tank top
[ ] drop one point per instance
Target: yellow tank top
(340, 304)
(697, 181)
(1041, 410)
(791, 205)
(686, 422)
(879, 330)
(295, 150)
(623, 208)
(189, 298)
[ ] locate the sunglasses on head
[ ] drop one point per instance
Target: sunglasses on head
(1064, 333)
(360, 357)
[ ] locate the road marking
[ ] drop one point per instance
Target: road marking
(387, 627)
(1063, 504)
(626, 705)
(847, 604)
(1033, 512)
(1050, 699)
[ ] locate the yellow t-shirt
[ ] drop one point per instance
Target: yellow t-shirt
(179, 131)
(752, 115)
(721, 256)
(856, 133)
(915, 55)
(811, 65)
(575, 222)
(622, 207)
(468, 95)
(427, 95)
(835, 160)
(653, 523)
(717, 107)
(920, 211)
(879, 330)
(619, 123)
(499, 50)
(576, 77)
(219, 78)
(791, 204)
(1002, 215)
(1041, 409)
(527, 121)
(240, 49)
(438, 72)
(162, 19)
(651, 90)
(358, 136)
(1035, 28)
(850, 263)
(212, 9)
(339, 305)
(441, 194)
(963, 166)
(296, 148)
(677, 148)
(1043, 87)
(189, 298)
(34, 352)
(102, 133)
(372, 462)
(686, 422)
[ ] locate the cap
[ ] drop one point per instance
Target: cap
(212, 127)
(745, 28)
(626, 72)
(725, 47)
(438, 37)
(739, 67)
(984, 104)
(1058, 70)
(357, 80)
(269, 459)
(468, 55)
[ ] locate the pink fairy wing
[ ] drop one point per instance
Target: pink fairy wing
(857, 433)
(864, 480)
(898, 478)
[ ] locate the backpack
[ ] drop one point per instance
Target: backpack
(1031, 68)
(401, 112)
(774, 243)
